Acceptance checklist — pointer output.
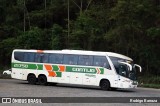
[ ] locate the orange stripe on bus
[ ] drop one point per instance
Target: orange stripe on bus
(52, 73)
(48, 67)
(61, 68)
(39, 51)
(98, 71)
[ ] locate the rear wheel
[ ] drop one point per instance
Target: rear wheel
(32, 79)
(42, 80)
(105, 85)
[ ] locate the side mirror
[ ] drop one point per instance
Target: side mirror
(130, 66)
(140, 68)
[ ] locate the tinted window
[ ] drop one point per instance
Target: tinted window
(39, 57)
(18, 56)
(55, 58)
(115, 62)
(101, 61)
(29, 57)
(45, 58)
(70, 59)
(85, 60)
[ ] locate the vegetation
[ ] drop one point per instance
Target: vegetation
(129, 27)
(149, 81)
(157, 86)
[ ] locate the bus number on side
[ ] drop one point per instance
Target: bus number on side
(20, 66)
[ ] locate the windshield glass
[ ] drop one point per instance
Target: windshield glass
(123, 69)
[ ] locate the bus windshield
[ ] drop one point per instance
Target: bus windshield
(123, 69)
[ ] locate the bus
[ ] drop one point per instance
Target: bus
(104, 69)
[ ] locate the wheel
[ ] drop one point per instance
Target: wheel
(42, 80)
(5, 73)
(105, 85)
(32, 79)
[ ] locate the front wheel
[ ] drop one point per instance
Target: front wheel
(105, 85)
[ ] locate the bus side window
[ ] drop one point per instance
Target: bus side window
(70, 59)
(25, 57)
(51, 58)
(45, 58)
(56, 58)
(39, 57)
(29, 57)
(59, 58)
(85, 60)
(101, 61)
(18, 56)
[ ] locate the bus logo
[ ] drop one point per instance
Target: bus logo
(6, 100)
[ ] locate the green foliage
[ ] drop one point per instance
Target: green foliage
(84, 33)
(149, 80)
(6, 48)
(157, 86)
(129, 27)
(32, 39)
(154, 32)
(57, 37)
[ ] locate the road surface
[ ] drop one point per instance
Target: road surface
(17, 88)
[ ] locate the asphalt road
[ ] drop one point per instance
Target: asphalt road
(17, 88)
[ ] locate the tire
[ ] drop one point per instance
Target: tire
(32, 79)
(105, 85)
(5, 73)
(42, 80)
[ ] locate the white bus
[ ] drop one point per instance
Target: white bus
(105, 69)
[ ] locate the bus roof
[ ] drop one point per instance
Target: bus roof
(118, 55)
(83, 52)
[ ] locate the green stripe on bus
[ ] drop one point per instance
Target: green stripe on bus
(81, 69)
(59, 74)
(55, 67)
(102, 70)
(27, 66)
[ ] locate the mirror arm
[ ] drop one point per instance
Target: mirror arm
(130, 67)
(139, 67)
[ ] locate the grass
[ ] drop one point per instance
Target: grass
(149, 81)
(157, 86)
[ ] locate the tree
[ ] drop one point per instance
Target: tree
(6, 48)
(84, 33)
(57, 37)
(32, 39)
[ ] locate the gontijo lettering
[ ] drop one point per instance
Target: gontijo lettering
(83, 70)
